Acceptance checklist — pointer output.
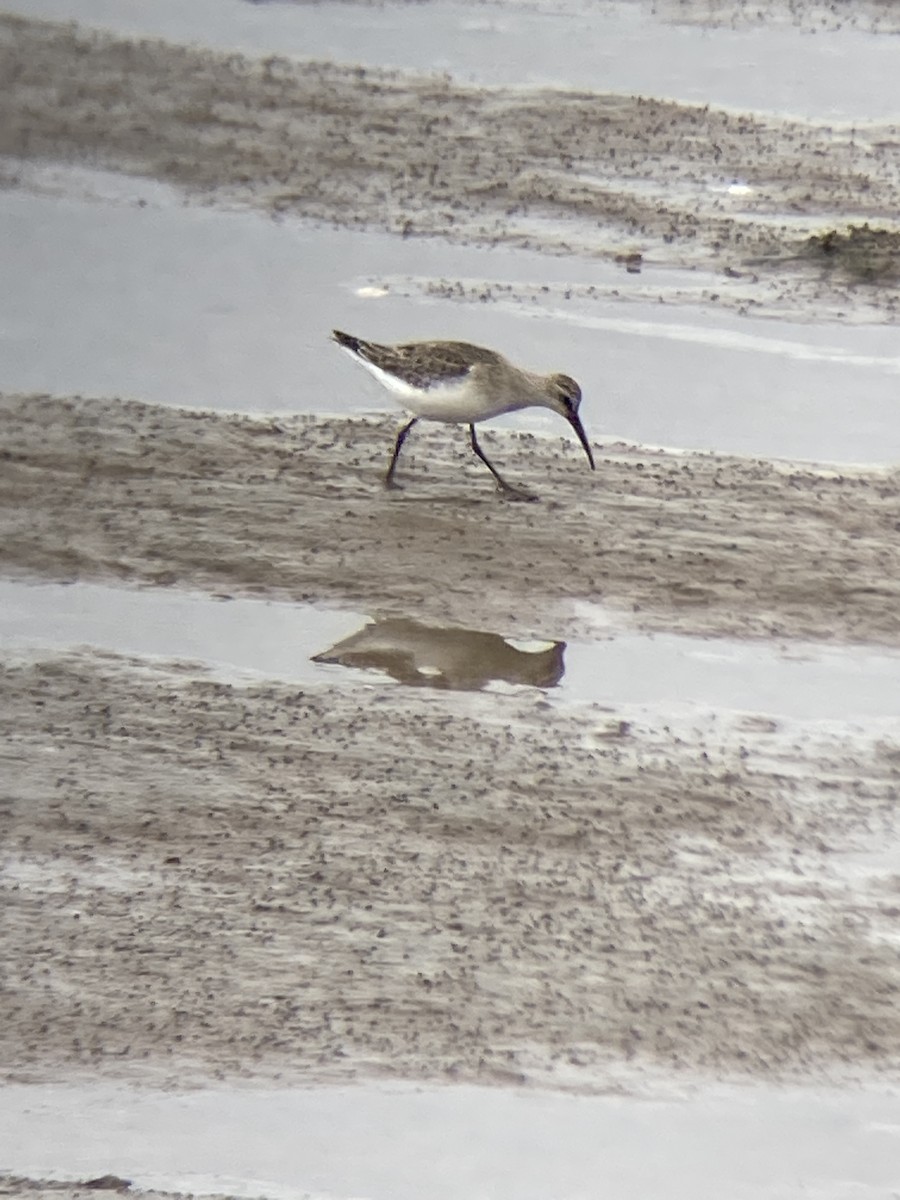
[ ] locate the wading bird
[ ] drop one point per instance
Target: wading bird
(461, 384)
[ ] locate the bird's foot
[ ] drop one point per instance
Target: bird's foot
(508, 492)
(391, 486)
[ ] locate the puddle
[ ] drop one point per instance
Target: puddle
(402, 1142)
(791, 680)
(296, 643)
(232, 639)
(240, 309)
(836, 76)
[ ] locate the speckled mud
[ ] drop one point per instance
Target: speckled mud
(693, 543)
(87, 1189)
(318, 883)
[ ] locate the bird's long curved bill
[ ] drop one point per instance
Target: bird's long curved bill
(575, 422)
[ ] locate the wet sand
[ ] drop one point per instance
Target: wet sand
(502, 889)
(562, 172)
(319, 884)
(89, 1189)
(876, 15)
(688, 543)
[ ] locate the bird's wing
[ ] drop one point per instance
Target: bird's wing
(430, 364)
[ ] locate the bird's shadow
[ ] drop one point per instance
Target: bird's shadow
(464, 501)
(456, 501)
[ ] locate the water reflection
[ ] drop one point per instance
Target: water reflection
(464, 659)
(243, 638)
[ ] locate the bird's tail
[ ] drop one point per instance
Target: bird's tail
(346, 340)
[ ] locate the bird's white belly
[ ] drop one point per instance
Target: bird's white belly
(455, 402)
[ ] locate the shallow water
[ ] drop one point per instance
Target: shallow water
(241, 639)
(842, 76)
(233, 639)
(461, 1143)
(240, 307)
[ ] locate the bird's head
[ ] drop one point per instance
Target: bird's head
(564, 397)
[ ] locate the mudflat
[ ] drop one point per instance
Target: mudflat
(329, 881)
(212, 880)
(813, 231)
(321, 883)
(693, 543)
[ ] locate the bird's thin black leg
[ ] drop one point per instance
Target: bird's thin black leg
(401, 438)
(512, 493)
